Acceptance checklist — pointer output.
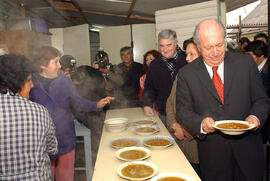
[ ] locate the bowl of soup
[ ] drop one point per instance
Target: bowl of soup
(233, 127)
(123, 142)
(144, 121)
(158, 141)
(171, 176)
(147, 129)
(133, 153)
(137, 170)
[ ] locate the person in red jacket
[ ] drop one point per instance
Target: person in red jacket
(147, 59)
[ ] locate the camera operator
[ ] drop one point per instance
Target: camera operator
(112, 78)
(68, 64)
(102, 62)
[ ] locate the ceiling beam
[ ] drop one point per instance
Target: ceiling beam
(76, 4)
(70, 7)
(51, 4)
(76, 19)
(130, 11)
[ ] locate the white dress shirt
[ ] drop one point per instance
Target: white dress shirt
(220, 71)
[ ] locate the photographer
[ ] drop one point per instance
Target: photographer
(68, 64)
(112, 78)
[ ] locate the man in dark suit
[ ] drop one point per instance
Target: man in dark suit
(161, 74)
(235, 93)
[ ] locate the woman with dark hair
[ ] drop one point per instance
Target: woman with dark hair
(58, 94)
(191, 50)
(26, 128)
(185, 140)
(147, 59)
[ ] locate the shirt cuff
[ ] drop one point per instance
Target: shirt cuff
(202, 132)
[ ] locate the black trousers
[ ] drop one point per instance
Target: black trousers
(219, 164)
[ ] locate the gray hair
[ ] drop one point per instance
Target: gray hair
(196, 37)
(126, 48)
(167, 34)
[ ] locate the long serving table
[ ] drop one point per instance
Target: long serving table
(169, 159)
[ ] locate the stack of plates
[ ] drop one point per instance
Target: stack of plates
(116, 124)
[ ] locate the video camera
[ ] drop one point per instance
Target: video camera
(101, 59)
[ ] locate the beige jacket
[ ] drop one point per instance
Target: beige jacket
(189, 144)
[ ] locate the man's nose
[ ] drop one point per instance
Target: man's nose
(215, 51)
(164, 49)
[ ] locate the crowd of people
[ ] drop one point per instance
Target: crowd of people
(188, 89)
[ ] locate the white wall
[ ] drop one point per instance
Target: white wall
(184, 19)
(74, 41)
(112, 39)
(77, 43)
(57, 38)
(144, 40)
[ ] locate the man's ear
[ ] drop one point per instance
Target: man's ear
(199, 49)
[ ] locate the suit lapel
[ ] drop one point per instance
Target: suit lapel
(204, 77)
(228, 74)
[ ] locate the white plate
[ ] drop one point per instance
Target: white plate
(155, 137)
(177, 175)
(124, 138)
(147, 151)
(140, 121)
(233, 131)
(135, 129)
(154, 167)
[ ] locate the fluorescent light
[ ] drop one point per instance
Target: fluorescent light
(118, 1)
(94, 29)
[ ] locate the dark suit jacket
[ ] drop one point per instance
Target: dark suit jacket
(158, 83)
(244, 95)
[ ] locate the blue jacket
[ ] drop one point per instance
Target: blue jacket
(61, 97)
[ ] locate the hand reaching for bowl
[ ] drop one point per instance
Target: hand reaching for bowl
(148, 111)
(103, 102)
(207, 125)
(178, 131)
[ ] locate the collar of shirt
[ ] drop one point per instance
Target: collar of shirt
(220, 71)
(262, 64)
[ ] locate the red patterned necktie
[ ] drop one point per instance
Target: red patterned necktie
(218, 84)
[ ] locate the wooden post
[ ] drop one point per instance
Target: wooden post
(239, 30)
(22, 11)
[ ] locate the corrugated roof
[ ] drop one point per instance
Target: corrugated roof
(257, 16)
